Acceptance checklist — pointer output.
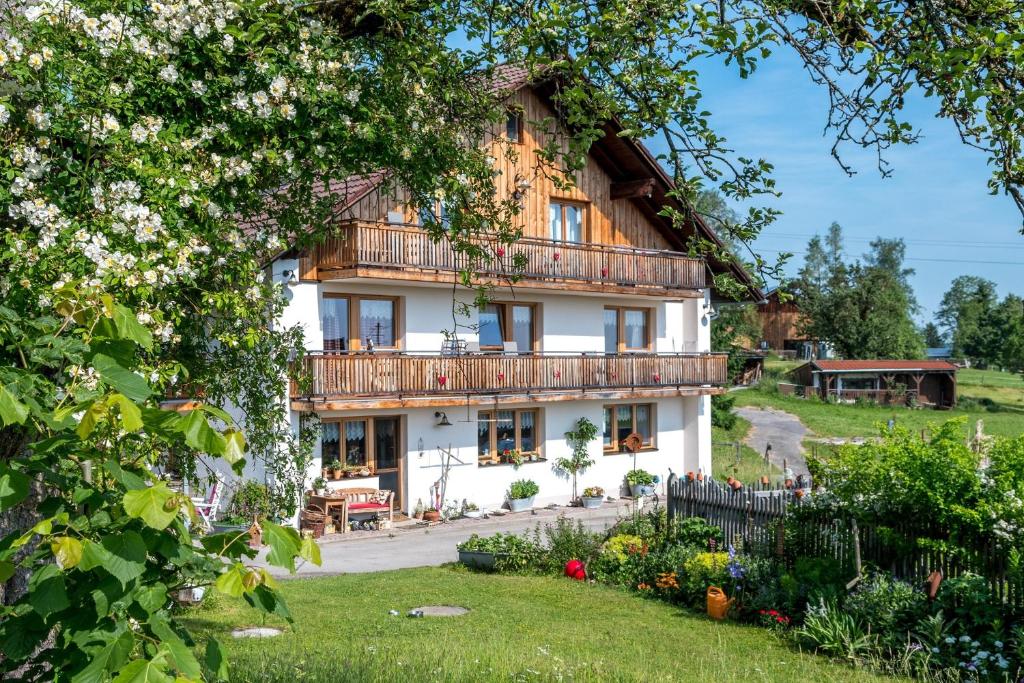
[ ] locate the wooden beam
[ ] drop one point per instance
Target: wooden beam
(631, 189)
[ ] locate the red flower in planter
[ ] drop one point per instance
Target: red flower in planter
(557, 256)
(558, 374)
(500, 251)
(657, 377)
(501, 376)
(604, 272)
(441, 379)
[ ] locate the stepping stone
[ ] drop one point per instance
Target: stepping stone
(442, 610)
(256, 632)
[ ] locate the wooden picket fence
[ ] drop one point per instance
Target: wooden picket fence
(773, 521)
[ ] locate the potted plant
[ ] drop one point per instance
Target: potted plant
(319, 485)
(250, 503)
(641, 483)
(471, 510)
(432, 515)
(579, 438)
(336, 470)
(513, 457)
(593, 496)
(364, 471)
(521, 494)
(417, 512)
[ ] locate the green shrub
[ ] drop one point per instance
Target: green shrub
(696, 532)
(567, 540)
(620, 546)
(251, 499)
(523, 488)
(639, 478)
(722, 414)
(831, 631)
(699, 572)
(888, 606)
(513, 554)
(967, 599)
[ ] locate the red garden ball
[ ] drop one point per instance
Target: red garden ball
(574, 569)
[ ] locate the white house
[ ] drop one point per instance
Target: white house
(609, 321)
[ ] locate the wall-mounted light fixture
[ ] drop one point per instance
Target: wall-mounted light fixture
(442, 419)
(419, 446)
(289, 278)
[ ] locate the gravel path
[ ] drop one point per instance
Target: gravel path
(783, 431)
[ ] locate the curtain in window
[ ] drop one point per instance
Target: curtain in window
(635, 324)
(335, 324)
(608, 427)
(491, 324)
(505, 429)
(330, 442)
(555, 220)
(643, 422)
(377, 321)
(573, 223)
(522, 327)
(355, 442)
(527, 431)
(611, 330)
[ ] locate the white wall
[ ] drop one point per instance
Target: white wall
(486, 486)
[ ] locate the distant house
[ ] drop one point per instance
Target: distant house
(780, 329)
(938, 352)
(889, 382)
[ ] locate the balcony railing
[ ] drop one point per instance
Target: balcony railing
(405, 250)
(391, 374)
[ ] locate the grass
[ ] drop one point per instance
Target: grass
(751, 465)
(1003, 388)
(845, 420)
(520, 628)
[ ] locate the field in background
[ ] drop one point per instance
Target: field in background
(747, 465)
(995, 397)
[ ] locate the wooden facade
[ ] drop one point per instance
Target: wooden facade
(780, 323)
(352, 378)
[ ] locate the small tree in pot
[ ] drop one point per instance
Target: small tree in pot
(578, 438)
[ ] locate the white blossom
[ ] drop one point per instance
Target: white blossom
(169, 73)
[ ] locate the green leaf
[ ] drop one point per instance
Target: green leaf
(127, 478)
(67, 550)
(155, 505)
(200, 435)
(181, 655)
(284, 543)
(90, 419)
(131, 416)
(12, 411)
(47, 593)
(151, 598)
(234, 450)
(129, 327)
(232, 544)
(145, 671)
(14, 486)
(125, 381)
(122, 555)
(232, 582)
(310, 551)
(107, 659)
(6, 570)
(215, 660)
(269, 601)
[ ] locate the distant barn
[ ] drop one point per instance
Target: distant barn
(887, 382)
(780, 329)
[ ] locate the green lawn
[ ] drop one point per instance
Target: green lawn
(1005, 388)
(751, 465)
(825, 419)
(519, 629)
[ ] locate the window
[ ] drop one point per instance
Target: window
(627, 329)
(507, 430)
(514, 126)
(508, 322)
(622, 420)
(374, 320)
(436, 213)
(373, 442)
(565, 221)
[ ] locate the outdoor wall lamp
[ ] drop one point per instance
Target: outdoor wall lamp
(419, 445)
(442, 419)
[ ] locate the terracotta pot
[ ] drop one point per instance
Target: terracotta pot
(799, 493)
(764, 480)
(700, 476)
(431, 515)
(690, 476)
(335, 474)
(730, 480)
(736, 484)
(789, 483)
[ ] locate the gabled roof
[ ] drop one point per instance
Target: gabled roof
(621, 157)
(882, 366)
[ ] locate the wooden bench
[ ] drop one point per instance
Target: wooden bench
(359, 501)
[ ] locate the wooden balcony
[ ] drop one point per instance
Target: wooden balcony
(400, 252)
(341, 381)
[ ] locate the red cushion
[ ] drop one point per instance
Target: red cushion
(367, 506)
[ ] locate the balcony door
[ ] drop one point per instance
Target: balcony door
(565, 221)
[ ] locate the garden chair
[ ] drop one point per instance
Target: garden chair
(207, 508)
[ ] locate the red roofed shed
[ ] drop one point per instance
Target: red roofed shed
(890, 382)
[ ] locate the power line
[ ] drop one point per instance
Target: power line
(926, 242)
(911, 258)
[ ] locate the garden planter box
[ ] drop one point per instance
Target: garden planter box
(477, 560)
(520, 504)
(638, 490)
(592, 503)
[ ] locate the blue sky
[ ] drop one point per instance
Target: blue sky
(936, 198)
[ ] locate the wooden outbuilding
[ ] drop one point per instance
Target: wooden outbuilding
(888, 382)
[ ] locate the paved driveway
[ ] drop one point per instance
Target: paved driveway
(419, 546)
(780, 429)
